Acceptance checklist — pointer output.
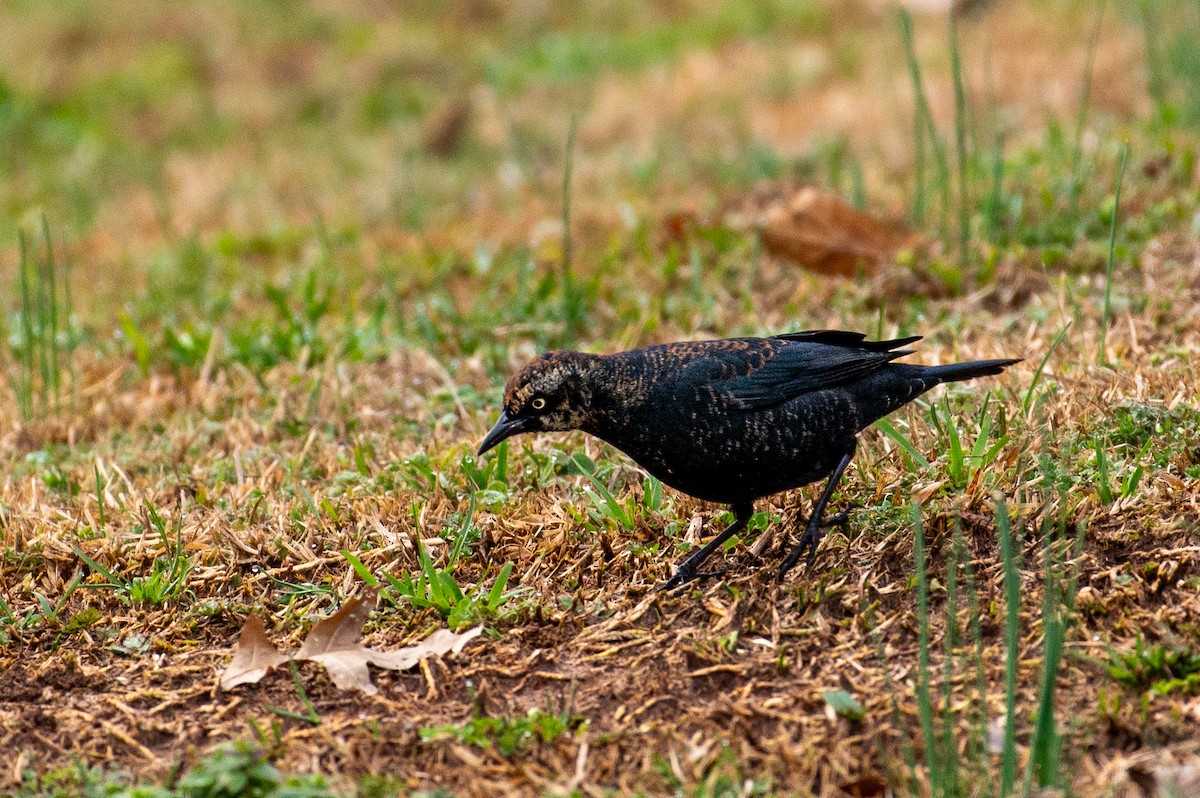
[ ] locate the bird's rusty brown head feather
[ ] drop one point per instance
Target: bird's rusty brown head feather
(551, 393)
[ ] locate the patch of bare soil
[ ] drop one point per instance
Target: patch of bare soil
(666, 683)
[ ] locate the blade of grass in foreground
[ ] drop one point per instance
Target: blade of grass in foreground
(924, 691)
(1012, 615)
(949, 764)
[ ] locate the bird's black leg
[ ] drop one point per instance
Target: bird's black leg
(686, 571)
(812, 530)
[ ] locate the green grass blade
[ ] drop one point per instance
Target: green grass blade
(960, 140)
(460, 540)
(995, 198)
(52, 316)
(925, 121)
(914, 73)
(496, 594)
(1044, 745)
(1009, 559)
(570, 310)
(912, 452)
(924, 690)
(1037, 374)
(1103, 479)
(364, 573)
(27, 338)
(1102, 355)
(957, 465)
(1085, 102)
(949, 745)
(113, 579)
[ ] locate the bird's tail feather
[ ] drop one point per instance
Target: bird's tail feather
(954, 372)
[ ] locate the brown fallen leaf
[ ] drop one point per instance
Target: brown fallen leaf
(446, 130)
(336, 643)
(255, 656)
(820, 232)
(675, 225)
(869, 786)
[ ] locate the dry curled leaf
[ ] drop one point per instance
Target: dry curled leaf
(256, 655)
(820, 232)
(869, 786)
(446, 131)
(336, 643)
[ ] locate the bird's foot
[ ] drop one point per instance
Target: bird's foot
(684, 574)
(837, 519)
(810, 540)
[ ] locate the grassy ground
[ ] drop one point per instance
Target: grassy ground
(297, 250)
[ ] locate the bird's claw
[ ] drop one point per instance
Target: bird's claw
(836, 520)
(810, 540)
(685, 574)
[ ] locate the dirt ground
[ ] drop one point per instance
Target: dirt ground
(720, 689)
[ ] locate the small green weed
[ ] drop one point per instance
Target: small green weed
(49, 613)
(963, 465)
(606, 509)
(433, 587)
(1156, 668)
(235, 770)
(724, 777)
(509, 735)
(844, 704)
(168, 575)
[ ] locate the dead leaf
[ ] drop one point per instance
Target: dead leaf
(820, 232)
(675, 225)
(445, 132)
(865, 787)
(336, 643)
(923, 493)
(256, 655)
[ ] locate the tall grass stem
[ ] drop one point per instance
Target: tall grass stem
(1102, 355)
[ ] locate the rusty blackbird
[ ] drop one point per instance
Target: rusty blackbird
(730, 420)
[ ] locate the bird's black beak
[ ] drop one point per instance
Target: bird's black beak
(505, 427)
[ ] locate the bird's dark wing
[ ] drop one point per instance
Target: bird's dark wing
(854, 340)
(783, 367)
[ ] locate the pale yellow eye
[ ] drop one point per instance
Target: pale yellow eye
(538, 403)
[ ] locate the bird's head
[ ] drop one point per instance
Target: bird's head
(551, 393)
